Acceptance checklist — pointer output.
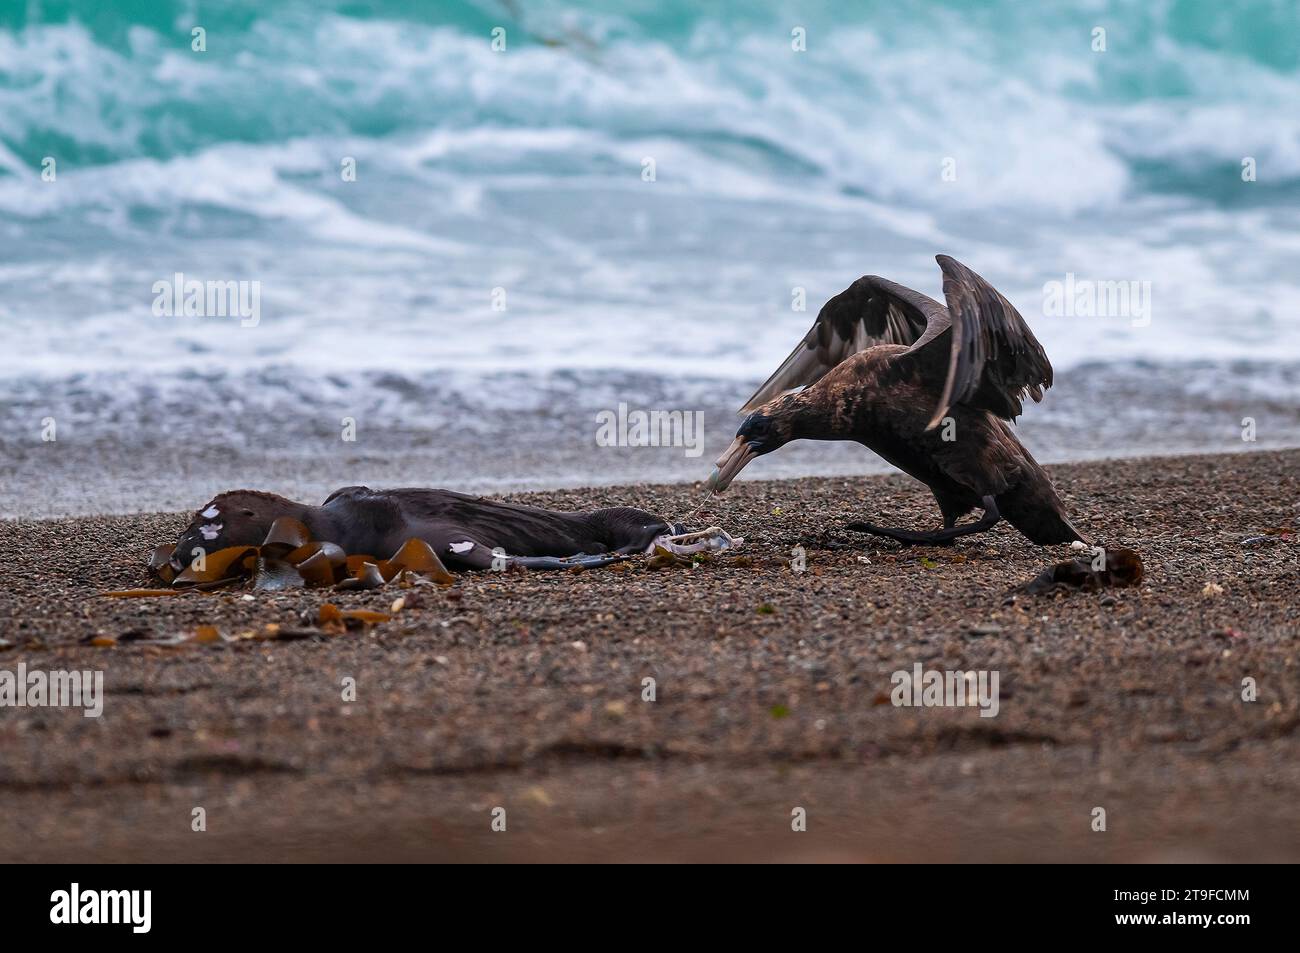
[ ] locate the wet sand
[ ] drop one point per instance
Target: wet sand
(524, 691)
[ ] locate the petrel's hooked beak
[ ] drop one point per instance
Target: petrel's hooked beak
(729, 464)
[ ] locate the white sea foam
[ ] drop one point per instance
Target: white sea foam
(522, 171)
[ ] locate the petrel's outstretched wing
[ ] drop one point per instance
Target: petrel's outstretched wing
(870, 311)
(990, 358)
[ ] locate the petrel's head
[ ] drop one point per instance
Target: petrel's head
(761, 432)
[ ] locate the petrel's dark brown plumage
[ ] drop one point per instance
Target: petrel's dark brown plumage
(929, 388)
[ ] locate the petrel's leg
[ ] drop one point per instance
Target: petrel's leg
(939, 537)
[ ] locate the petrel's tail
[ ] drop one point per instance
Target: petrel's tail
(1033, 507)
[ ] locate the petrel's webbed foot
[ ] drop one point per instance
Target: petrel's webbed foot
(939, 537)
(905, 536)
